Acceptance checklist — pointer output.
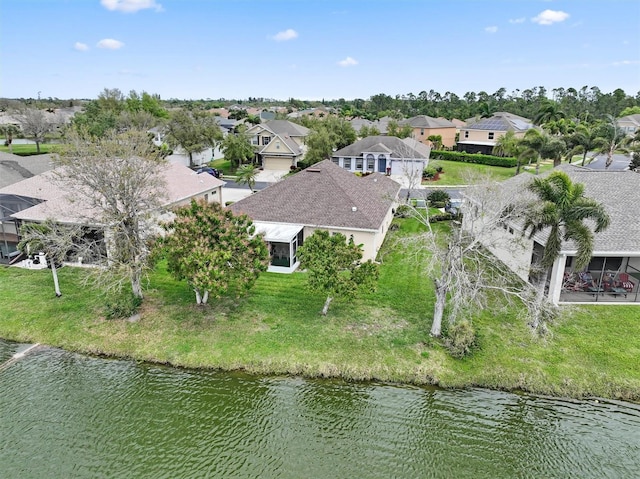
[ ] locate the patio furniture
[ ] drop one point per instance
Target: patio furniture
(625, 282)
(616, 291)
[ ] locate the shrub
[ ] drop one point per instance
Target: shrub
(438, 196)
(461, 339)
(428, 173)
(441, 217)
(122, 306)
(476, 158)
(403, 211)
(439, 169)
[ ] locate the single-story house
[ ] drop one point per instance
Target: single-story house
(323, 196)
(424, 126)
(616, 250)
(279, 144)
(40, 197)
(384, 154)
(481, 135)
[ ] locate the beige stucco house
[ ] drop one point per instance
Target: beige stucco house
(424, 126)
(481, 135)
(629, 124)
(323, 196)
(279, 144)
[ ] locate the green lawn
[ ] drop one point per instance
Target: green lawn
(31, 149)
(459, 173)
(224, 166)
(277, 329)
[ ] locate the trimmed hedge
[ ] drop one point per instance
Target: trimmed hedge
(476, 158)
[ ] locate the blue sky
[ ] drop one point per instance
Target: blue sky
(313, 49)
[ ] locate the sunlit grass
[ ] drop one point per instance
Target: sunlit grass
(384, 335)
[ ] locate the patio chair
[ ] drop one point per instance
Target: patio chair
(625, 282)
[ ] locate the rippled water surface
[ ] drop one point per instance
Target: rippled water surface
(68, 416)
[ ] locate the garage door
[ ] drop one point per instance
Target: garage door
(276, 163)
(399, 167)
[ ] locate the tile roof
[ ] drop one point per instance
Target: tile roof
(324, 195)
(15, 168)
(397, 147)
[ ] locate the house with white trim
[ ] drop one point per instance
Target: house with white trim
(323, 196)
(278, 144)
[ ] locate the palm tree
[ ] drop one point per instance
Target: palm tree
(549, 111)
(562, 208)
(510, 145)
(247, 174)
(540, 145)
(610, 138)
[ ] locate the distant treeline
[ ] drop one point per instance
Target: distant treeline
(585, 104)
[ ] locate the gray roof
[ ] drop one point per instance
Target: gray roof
(397, 147)
(15, 168)
(617, 191)
(424, 121)
(501, 121)
(284, 127)
(324, 195)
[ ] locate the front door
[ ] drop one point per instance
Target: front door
(382, 165)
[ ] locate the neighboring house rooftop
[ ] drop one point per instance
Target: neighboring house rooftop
(15, 168)
(424, 121)
(617, 191)
(395, 146)
(500, 121)
(182, 184)
(323, 195)
(284, 128)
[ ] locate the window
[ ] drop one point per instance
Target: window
(255, 140)
(347, 163)
(266, 140)
(491, 135)
(371, 164)
(206, 197)
(359, 162)
(422, 131)
(277, 145)
(336, 161)
(466, 134)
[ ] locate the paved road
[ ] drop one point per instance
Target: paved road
(620, 162)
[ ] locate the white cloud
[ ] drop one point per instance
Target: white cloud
(130, 6)
(517, 20)
(348, 62)
(492, 29)
(110, 44)
(550, 16)
(626, 62)
(285, 35)
(81, 47)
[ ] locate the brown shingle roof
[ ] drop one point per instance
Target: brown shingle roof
(324, 195)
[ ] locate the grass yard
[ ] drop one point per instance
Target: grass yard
(459, 173)
(29, 149)
(277, 329)
(224, 166)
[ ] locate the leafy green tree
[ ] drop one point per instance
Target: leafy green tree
(217, 252)
(562, 208)
(581, 141)
(436, 140)
(549, 111)
(394, 129)
(246, 175)
(540, 145)
(334, 266)
(237, 148)
(319, 146)
(193, 131)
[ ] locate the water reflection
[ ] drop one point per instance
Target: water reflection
(65, 415)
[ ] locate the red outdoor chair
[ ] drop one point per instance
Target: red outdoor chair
(626, 282)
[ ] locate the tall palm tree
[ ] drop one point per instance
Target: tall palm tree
(549, 111)
(540, 145)
(610, 138)
(509, 145)
(563, 209)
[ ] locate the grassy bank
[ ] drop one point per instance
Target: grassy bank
(28, 149)
(592, 351)
(458, 173)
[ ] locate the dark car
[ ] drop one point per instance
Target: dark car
(208, 169)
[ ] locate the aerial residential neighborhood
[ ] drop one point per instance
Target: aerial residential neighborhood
(319, 239)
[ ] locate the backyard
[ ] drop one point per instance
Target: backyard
(277, 329)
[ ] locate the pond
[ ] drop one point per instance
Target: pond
(64, 415)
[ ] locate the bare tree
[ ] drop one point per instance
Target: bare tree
(36, 124)
(117, 182)
(457, 260)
